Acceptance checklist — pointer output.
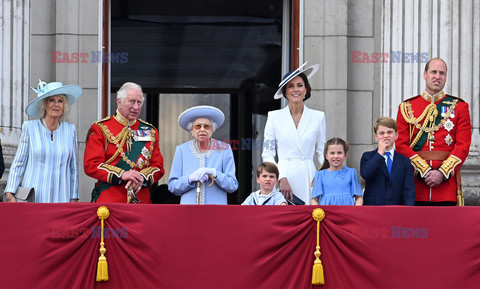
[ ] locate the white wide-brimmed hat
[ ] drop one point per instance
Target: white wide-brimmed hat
(309, 72)
(44, 90)
(201, 111)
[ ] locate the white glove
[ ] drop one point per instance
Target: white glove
(194, 177)
(203, 179)
(201, 175)
(209, 171)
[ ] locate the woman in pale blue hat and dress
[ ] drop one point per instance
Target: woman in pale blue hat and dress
(299, 135)
(203, 169)
(46, 158)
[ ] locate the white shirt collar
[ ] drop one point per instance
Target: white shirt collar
(392, 151)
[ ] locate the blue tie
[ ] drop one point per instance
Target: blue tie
(389, 162)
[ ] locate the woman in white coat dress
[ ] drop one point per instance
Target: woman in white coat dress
(299, 135)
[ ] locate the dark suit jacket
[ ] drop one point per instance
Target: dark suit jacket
(2, 166)
(382, 189)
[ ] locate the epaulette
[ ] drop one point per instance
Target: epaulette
(144, 122)
(95, 123)
(102, 120)
(459, 99)
(412, 98)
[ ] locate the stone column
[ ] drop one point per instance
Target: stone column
(325, 43)
(14, 73)
(31, 32)
(346, 91)
(363, 85)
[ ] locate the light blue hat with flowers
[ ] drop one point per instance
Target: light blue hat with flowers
(201, 111)
(44, 90)
(309, 72)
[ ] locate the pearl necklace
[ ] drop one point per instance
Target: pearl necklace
(51, 131)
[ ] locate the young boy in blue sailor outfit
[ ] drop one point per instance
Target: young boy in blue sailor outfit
(267, 177)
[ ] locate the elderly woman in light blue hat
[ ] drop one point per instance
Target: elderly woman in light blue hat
(298, 134)
(46, 158)
(203, 169)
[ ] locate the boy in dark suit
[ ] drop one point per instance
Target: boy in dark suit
(388, 175)
(2, 165)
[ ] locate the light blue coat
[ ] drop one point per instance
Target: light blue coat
(187, 159)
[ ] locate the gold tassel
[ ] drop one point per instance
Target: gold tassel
(317, 275)
(129, 194)
(102, 268)
(460, 198)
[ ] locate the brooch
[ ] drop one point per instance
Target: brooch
(448, 139)
(146, 153)
(448, 125)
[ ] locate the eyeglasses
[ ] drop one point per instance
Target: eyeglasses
(199, 126)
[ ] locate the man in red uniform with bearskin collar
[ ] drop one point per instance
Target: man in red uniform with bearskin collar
(122, 152)
(434, 131)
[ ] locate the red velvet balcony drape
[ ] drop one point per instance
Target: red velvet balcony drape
(174, 246)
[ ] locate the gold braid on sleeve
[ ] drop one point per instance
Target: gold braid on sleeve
(448, 166)
(112, 170)
(147, 173)
(420, 165)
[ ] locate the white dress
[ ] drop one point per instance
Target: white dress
(295, 147)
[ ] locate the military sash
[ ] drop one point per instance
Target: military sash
(431, 121)
(136, 141)
(132, 156)
(447, 108)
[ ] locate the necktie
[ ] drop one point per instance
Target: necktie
(389, 162)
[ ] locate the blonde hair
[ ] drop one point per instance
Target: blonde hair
(386, 122)
(42, 105)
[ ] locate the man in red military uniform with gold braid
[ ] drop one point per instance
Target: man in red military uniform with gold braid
(434, 131)
(122, 152)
